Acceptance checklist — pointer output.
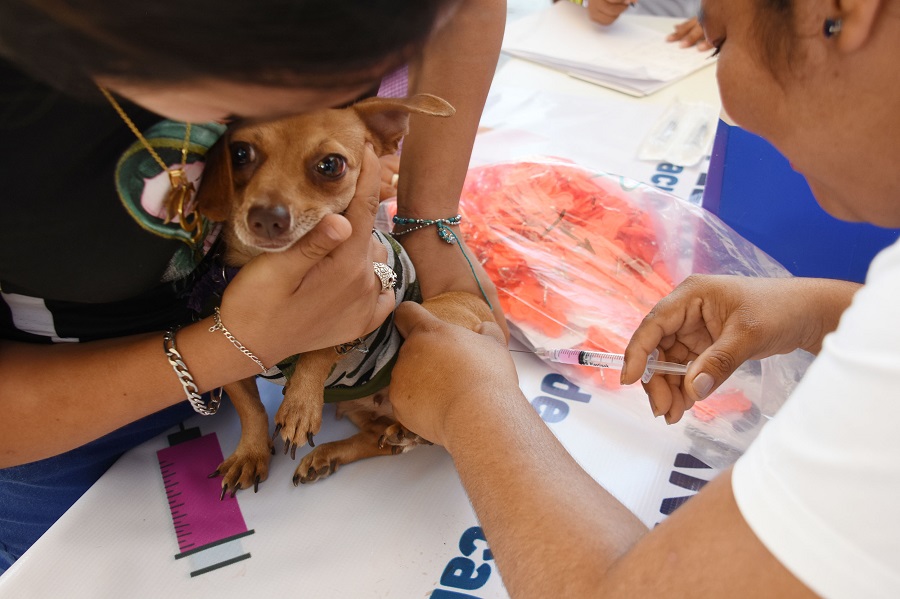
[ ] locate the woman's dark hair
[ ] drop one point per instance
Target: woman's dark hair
(314, 43)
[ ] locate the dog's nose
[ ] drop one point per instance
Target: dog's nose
(269, 221)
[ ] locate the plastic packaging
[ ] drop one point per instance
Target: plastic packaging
(683, 134)
(579, 258)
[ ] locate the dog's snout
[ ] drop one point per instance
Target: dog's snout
(269, 221)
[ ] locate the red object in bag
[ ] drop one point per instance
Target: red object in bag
(575, 263)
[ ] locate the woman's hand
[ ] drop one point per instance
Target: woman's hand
(390, 172)
(606, 12)
(423, 396)
(322, 291)
(690, 33)
(719, 322)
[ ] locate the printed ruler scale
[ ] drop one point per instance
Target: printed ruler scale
(209, 530)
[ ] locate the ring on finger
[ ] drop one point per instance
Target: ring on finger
(385, 274)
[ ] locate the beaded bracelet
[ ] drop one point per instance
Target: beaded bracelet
(446, 234)
(184, 377)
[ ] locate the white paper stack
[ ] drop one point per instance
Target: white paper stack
(623, 56)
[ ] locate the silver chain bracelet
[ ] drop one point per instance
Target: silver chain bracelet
(187, 381)
(217, 317)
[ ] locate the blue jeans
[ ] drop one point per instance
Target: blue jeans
(33, 496)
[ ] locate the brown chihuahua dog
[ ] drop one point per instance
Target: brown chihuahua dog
(271, 183)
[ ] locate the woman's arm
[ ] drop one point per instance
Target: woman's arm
(320, 292)
(458, 65)
(553, 530)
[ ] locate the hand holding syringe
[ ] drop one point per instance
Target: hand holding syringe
(597, 359)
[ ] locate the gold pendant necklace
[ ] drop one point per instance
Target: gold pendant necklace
(178, 202)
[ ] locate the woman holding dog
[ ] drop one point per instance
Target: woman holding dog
(75, 266)
(810, 508)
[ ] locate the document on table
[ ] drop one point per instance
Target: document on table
(623, 56)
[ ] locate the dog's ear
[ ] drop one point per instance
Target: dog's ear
(214, 195)
(388, 118)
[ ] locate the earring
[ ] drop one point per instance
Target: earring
(832, 27)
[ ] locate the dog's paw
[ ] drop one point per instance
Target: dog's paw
(400, 438)
(242, 470)
(296, 423)
(320, 463)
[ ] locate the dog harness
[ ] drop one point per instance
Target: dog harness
(366, 367)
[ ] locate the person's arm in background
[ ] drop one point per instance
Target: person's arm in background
(458, 65)
(54, 398)
(688, 33)
(552, 529)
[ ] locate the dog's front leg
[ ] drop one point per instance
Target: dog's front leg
(300, 414)
(249, 464)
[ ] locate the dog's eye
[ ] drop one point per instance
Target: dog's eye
(332, 166)
(242, 154)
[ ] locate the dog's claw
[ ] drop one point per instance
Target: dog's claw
(237, 488)
(272, 450)
(277, 430)
(296, 480)
(256, 484)
(224, 490)
(309, 439)
(287, 447)
(293, 451)
(381, 440)
(214, 474)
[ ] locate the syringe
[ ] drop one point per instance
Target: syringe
(597, 359)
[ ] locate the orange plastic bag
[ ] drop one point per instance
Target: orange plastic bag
(579, 258)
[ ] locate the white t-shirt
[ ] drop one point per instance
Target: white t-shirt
(820, 486)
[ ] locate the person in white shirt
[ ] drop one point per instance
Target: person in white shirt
(809, 509)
